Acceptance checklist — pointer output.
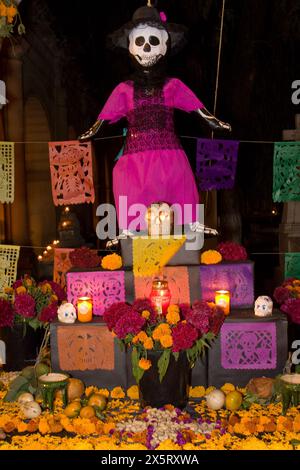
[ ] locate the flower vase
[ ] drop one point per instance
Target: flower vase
(174, 388)
(21, 350)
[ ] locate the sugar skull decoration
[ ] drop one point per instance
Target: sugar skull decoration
(153, 165)
(148, 44)
(263, 306)
(66, 313)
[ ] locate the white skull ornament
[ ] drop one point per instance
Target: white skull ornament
(263, 306)
(148, 44)
(67, 313)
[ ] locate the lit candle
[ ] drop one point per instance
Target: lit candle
(84, 309)
(222, 299)
(160, 296)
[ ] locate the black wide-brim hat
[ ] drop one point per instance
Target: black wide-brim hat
(150, 16)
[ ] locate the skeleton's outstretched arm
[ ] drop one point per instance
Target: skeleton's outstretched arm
(92, 131)
(212, 121)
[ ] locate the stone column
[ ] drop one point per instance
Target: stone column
(16, 213)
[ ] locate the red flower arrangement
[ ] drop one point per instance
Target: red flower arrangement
(288, 297)
(232, 251)
(31, 303)
(84, 258)
(6, 313)
(184, 328)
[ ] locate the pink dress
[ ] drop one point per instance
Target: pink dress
(153, 166)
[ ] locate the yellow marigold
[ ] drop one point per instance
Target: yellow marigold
(148, 344)
(142, 336)
(228, 388)
(54, 298)
(21, 290)
(211, 257)
(168, 444)
(104, 391)
(133, 392)
(161, 330)
(209, 389)
(117, 392)
(8, 290)
(22, 426)
(46, 288)
(107, 427)
(3, 9)
(173, 317)
(166, 341)
(89, 390)
(11, 13)
(44, 427)
(197, 392)
(145, 364)
(173, 308)
(112, 262)
(146, 314)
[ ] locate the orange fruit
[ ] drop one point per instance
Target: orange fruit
(98, 400)
(75, 389)
(73, 409)
(87, 412)
(233, 400)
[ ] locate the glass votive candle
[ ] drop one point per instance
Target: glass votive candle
(84, 309)
(222, 299)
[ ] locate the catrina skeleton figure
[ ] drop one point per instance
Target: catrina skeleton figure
(153, 166)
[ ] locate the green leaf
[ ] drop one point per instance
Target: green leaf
(20, 384)
(176, 356)
(34, 323)
(163, 363)
(136, 370)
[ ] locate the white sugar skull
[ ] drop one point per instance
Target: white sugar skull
(148, 44)
(263, 306)
(67, 313)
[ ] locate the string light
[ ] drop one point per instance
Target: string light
(49, 248)
(67, 209)
(45, 253)
(40, 257)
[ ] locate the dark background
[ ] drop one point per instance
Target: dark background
(260, 60)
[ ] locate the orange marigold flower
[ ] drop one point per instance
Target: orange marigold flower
(8, 290)
(166, 341)
(21, 290)
(211, 257)
(148, 344)
(3, 9)
(161, 330)
(133, 392)
(145, 364)
(9, 426)
(146, 314)
(173, 308)
(112, 262)
(117, 392)
(173, 317)
(11, 11)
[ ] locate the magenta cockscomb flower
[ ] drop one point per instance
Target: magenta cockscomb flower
(24, 305)
(184, 335)
(49, 313)
(115, 312)
(6, 313)
(129, 324)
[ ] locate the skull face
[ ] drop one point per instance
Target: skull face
(66, 313)
(148, 44)
(263, 306)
